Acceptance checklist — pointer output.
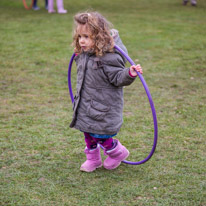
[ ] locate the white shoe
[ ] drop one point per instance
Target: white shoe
(62, 11)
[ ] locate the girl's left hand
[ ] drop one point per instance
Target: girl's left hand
(135, 68)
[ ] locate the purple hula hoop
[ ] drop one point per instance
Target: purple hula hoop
(148, 95)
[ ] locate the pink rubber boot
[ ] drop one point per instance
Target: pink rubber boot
(60, 7)
(115, 156)
(51, 6)
(93, 161)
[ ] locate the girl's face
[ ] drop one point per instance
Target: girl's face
(84, 35)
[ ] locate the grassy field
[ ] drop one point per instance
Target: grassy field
(40, 155)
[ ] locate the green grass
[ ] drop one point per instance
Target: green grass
(40, 155)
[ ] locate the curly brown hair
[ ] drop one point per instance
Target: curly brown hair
(99, 28)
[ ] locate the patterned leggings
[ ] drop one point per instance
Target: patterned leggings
(92, 142)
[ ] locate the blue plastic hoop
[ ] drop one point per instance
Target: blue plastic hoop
(148, 95)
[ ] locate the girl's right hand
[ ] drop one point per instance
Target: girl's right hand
(135, 68)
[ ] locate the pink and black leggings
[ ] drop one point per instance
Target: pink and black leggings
(92, 142)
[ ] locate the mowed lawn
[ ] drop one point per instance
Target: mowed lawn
(40, 155)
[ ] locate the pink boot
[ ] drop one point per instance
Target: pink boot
(116, 156)
(93, 161)
(60, 7)
(51, 6)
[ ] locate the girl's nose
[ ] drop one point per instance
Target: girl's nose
(82, 40)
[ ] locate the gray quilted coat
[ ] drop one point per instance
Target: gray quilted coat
(98, 103)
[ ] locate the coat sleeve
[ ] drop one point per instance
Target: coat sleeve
(116, 72)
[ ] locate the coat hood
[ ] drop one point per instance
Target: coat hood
(118, 42)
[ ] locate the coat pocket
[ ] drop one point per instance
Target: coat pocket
(97, 110)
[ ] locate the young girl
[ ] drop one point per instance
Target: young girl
(98, 103)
